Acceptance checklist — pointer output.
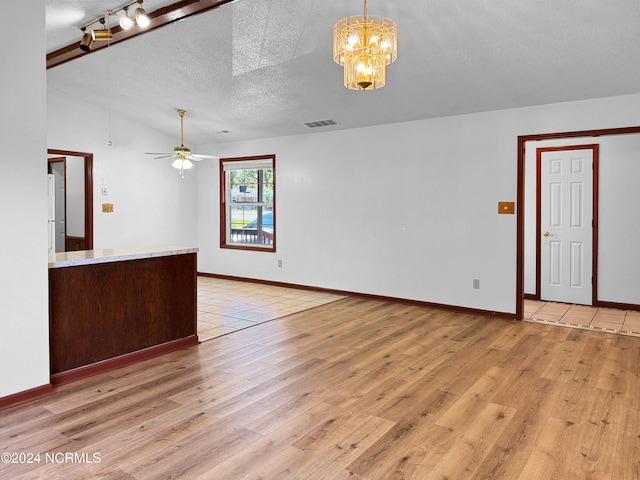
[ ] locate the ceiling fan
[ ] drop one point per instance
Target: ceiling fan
(183, 156)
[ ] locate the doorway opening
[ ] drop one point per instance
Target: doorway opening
(57, 170)
(84, 241)
(523, 265)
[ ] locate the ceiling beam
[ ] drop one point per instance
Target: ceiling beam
(158, 18)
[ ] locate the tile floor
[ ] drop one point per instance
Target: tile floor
(225, 306)
(625, 322)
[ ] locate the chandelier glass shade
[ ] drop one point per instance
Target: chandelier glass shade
(364, 46)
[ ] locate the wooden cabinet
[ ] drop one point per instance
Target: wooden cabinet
(116, 311)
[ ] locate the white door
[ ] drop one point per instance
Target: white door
(566, 219)
(51, 214)
(57, 169)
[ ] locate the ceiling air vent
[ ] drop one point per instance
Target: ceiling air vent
(320, 123)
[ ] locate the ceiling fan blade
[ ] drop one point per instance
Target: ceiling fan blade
(164, 156)
(202, 157)
(158, 153)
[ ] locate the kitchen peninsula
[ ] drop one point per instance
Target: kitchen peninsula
(109, 308)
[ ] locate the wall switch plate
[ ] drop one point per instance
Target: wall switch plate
(508, 208)
(104, 191)
(279, 263)
(476, 283)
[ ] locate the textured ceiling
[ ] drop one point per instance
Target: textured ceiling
(261, 68)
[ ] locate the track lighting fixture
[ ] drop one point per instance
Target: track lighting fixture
(126, 22)
(101, 35)
(139, 18)
(85, 43)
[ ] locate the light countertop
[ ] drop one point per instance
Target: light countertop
(89, 257)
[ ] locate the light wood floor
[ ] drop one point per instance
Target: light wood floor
(355, 389)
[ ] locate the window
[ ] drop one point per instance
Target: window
(248, 203)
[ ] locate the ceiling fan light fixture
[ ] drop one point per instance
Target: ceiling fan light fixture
(142, 19)
(364, 46)
(183, 155)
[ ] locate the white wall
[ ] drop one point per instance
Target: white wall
(152, 204)
(24, 317)
(424, 194)
(619, 204)
(619, 228)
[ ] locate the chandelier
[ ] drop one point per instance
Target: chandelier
(364, 46)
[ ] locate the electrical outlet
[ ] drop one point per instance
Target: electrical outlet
(476, 283)
(279, 263)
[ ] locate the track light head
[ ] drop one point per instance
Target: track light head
(101, 35)
(141, 16)
(126, 22)
(85, 43)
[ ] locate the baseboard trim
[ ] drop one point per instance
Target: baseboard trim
(616, 305)
(103, 366)
(26, 396)
(419, 303)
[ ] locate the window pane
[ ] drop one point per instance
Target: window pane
(242, 215)
(267, 185)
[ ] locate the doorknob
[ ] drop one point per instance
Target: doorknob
(546, 234)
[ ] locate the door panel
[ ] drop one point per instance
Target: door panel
(566, 202)
(555, 263)
(51, 213)
(57, 169)
(576, 278)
